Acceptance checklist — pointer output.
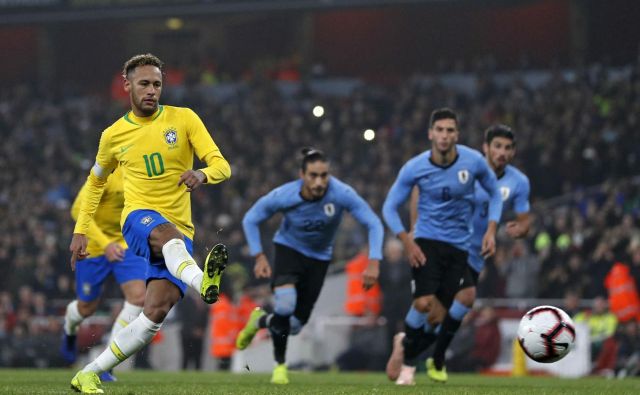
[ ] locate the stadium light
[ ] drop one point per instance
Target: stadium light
(369, 134)
(175, 23)
(318, 111)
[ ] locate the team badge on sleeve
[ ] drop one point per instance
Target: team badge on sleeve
(171, 136)
(463, 176)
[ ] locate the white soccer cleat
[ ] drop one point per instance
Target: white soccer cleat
(407, 375)
(394, 364)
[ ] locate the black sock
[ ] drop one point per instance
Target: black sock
(447, 331)
(412, 345)
(263, 322)
(426, 341)
(279, 328)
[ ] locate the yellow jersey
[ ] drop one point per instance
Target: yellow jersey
(154, 152)
(104, 227)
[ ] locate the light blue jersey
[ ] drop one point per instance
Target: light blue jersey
(309, 227)
(514, 189)
(445, 203)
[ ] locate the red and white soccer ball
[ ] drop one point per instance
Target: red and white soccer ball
(546, 334)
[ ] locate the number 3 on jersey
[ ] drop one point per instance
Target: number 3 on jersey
(154, 163)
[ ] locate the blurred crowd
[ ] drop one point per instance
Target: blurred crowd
(575, 138)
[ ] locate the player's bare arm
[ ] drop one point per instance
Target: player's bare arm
(489, 240)
(519, 228)
(371, 274)
(414, 252)
(262, 269)
(78, 248)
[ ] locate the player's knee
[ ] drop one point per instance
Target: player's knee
(162, 234)
(467, 296)
(436, 316)
(136, 299)
(285, 301)
(87, 308)
(423, 303)
(295, 325)
(134, 292)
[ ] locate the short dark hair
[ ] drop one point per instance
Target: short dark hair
(442, 113)
(498, 130)
(311, 155)
(146, 59)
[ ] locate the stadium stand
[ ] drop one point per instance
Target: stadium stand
(575, 131)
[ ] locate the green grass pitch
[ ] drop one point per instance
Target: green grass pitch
(42, 381)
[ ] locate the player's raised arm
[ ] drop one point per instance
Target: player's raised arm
(398, 195)
(363, 213)
(489, 182)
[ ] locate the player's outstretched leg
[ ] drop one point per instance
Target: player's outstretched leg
(86, 383)
(435, 374)
(214, 265)
(280, 374)
(394, 364)
(250, 329)
(126, 343)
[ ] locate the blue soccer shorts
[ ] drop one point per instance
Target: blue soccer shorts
(92, 272)
(136, 230)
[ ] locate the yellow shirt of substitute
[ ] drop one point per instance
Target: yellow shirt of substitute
(153, 152)
(104, 227)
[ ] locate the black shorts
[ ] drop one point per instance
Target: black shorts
(291, 267)
(443, 273)
(470, 278)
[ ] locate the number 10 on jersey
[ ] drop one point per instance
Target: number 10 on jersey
(154, 164)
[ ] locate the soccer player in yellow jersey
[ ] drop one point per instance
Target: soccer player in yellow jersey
(108, 254)
(154, 145)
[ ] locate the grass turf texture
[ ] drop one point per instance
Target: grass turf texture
(42, 381)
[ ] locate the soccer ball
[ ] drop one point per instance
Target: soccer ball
(546, 334)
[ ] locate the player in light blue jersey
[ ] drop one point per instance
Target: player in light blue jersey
(445, 177)
(312, 207)
(499, 148)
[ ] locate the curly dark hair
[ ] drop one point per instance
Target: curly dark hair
(146, 59)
